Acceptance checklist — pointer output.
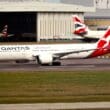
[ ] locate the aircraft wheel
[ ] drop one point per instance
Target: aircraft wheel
(56, 63)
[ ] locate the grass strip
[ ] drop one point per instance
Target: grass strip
(57, 86)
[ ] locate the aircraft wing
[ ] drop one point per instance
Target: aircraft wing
(1, 34)
(78, 37)
(9, 35)
(91, 37)
(62, 54)
(59, 55)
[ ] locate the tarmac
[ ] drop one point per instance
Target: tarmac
(57, 106)
(66, 65)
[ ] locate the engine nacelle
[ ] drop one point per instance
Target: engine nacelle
(45, 59)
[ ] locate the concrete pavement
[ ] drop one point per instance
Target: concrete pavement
(56, 106)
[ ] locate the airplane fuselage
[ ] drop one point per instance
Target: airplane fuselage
(94, 34)
(18, 52)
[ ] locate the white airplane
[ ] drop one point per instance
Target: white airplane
(82, 30)
(52, 53)
(4, 32)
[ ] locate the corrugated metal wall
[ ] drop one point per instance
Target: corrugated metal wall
(55, 25)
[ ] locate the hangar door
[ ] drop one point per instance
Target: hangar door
(55, 25)
(19, 23)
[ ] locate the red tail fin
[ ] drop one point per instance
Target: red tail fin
(77, 19)
(105, 40)
(103, 45)
(4, 31)
(80, 27)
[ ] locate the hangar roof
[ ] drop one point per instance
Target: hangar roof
(6, 6)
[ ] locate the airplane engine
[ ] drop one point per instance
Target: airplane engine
(45, 59)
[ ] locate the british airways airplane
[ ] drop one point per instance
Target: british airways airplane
(51, 54)
(82, 30)
(4, 32)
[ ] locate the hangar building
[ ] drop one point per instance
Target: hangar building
(43, 20)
